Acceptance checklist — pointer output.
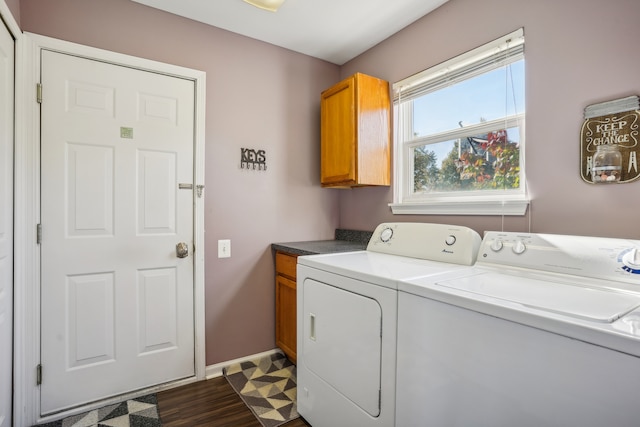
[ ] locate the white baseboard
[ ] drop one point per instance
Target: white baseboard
(214, 371)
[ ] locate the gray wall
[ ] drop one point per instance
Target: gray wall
(577, 52)
(258, 96)
(14, 7)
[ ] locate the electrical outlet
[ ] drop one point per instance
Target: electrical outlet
(224, 248)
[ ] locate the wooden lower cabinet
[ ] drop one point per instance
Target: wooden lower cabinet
(286, 304)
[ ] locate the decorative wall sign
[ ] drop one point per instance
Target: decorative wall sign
(253, 159)
(611, 128)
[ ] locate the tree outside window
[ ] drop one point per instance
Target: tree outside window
(484, 162)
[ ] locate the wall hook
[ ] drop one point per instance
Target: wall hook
(253, 159)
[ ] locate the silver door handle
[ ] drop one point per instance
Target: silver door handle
(182, 250)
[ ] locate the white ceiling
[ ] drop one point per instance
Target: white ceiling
(333, 30)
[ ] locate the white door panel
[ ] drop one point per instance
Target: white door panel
(157, 196)
(117, 304)
(6, 223)
(90, 201)
(343, 343)
(91, 318)
(157, 311)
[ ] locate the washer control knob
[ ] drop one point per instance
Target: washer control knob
(386, 235)
(519, 247)
(496, 245)
(632, 258)
(450, 240)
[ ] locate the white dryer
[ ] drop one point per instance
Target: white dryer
(544, 330)
(347, 313)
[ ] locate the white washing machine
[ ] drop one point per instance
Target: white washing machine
(544, 330)
(347, 317)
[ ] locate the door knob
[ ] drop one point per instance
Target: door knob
(182, 250)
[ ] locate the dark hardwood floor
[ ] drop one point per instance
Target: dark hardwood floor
(208, 403)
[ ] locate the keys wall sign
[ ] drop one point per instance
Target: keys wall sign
(253, 159)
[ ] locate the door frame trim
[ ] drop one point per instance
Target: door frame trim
(27, 409)
(8, 21)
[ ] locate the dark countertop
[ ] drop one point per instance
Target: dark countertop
(318, 247)
(345, 241)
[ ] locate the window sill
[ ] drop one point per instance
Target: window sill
(509, 207)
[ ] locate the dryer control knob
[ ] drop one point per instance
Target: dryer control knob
(386, 235)
(450, 240)
(519, 247)
(496, 245)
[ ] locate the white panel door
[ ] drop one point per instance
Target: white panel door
(117, 301)
(6, 224)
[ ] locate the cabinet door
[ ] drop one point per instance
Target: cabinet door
(338, 134)
(286, 316)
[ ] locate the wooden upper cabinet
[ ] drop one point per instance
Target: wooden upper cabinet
(355, 129)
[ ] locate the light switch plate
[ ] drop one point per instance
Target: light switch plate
(224, 248)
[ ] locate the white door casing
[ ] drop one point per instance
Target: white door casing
(6, 223)
(117, 302)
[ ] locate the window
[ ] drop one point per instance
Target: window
(459, 146)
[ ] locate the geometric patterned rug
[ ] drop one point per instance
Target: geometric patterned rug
(267, 386)
(139, 412)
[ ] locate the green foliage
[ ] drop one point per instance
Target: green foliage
(426, 172)
(450, 174)
(494, 165)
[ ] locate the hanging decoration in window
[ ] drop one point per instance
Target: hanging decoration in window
(609, 141)
(253, 159)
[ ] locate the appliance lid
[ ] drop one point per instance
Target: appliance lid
(551, 295)
(380, 269)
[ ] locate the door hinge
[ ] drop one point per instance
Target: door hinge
(39, 374)
(38, 234)
(39, 93)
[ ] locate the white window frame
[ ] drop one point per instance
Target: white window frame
(481, 202)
